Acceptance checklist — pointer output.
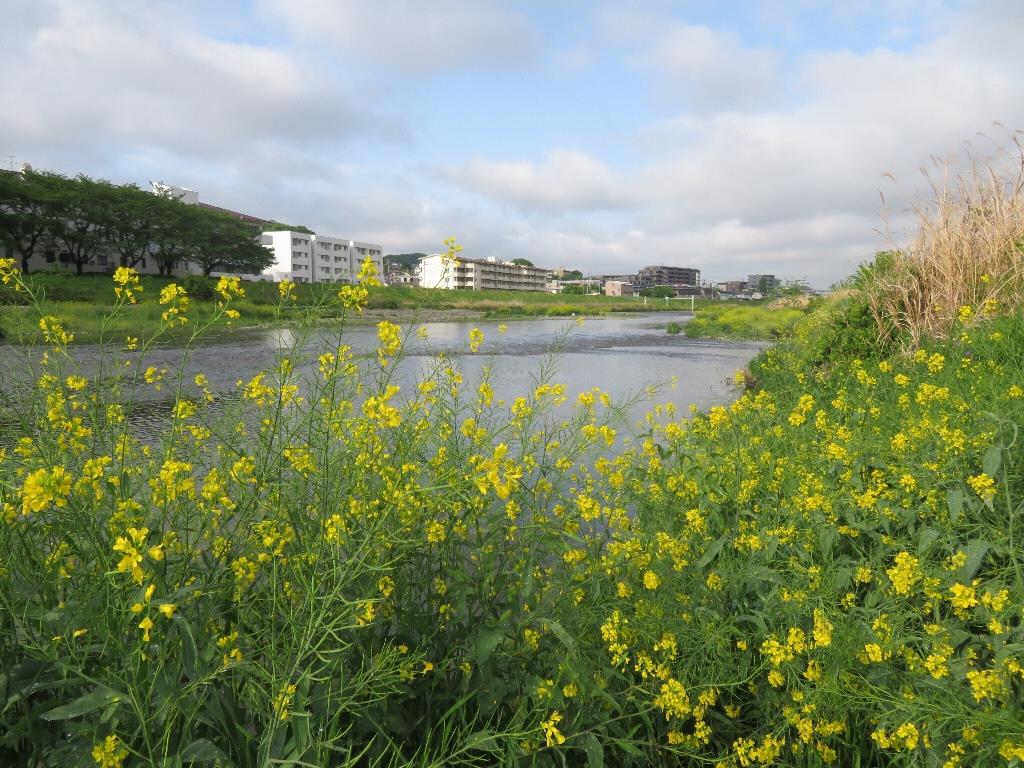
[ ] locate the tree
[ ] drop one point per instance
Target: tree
(573, 289)
(25, 199)
(522, 262)
(130, 227)
(75, 220)
(226, 244)
(173, 233)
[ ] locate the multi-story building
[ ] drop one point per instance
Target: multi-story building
(305, 257)
(762, 283)
(665, 275)
(480, 274)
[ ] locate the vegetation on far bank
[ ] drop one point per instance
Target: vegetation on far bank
(326, 569)
(83, 303)
(746, 320)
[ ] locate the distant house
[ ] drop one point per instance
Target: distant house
(618, 288)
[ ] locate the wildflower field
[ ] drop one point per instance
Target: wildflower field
(329, 571)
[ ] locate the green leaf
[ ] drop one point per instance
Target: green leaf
(956, 503)
(594, 750)
(711, 553)
(628, 747)
(203, 751)
(975, 552)
(559, 631)
(486, 642)
(98, 699)
(926, 538)
(992, 459)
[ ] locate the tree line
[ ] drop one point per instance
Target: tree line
(84, 219)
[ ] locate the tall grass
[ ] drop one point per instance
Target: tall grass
(968, 252)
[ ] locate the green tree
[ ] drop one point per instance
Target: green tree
(522, 262)
(173, 232)
(134, 216)
(573, 289)
(25, 200)
(76, 219)
(224, 243)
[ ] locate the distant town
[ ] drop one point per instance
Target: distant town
(51, 222)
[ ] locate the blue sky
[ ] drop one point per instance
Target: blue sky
(736, 137)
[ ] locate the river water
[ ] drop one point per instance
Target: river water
(621, 354)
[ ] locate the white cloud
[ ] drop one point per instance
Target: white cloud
(89, 75)
(709, 69)
(566, 180)
(416, 37)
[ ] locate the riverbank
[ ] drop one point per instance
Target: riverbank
(81, 304)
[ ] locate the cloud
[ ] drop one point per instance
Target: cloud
(566, 180)
(710, 70)
(414, 37)
(115, 76)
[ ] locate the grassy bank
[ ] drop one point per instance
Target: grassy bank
(745, 320)
(84, 303)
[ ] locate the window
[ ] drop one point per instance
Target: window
(103, 260)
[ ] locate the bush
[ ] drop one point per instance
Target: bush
(198, 287)
(674, 328)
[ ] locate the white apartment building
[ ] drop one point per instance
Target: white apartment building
(480, 274)
(310, 258)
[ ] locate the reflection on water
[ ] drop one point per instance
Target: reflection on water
(620, 354)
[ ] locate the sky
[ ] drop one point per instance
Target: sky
(754, 136)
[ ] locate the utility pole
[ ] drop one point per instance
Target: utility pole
(12, 161)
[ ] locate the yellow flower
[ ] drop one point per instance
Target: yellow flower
(145, 625)
(43, 487)
(53, 331)
(552, 735)
(368, 273)
(230, 288)
(390, 339)
(476, 338)
(983, 485)
(651, 580)
(283, 702)
(167, 609)
(904, 574)
(109, 753)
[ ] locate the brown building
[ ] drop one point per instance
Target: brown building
(618, 288)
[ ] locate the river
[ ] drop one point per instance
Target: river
(622, 354)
